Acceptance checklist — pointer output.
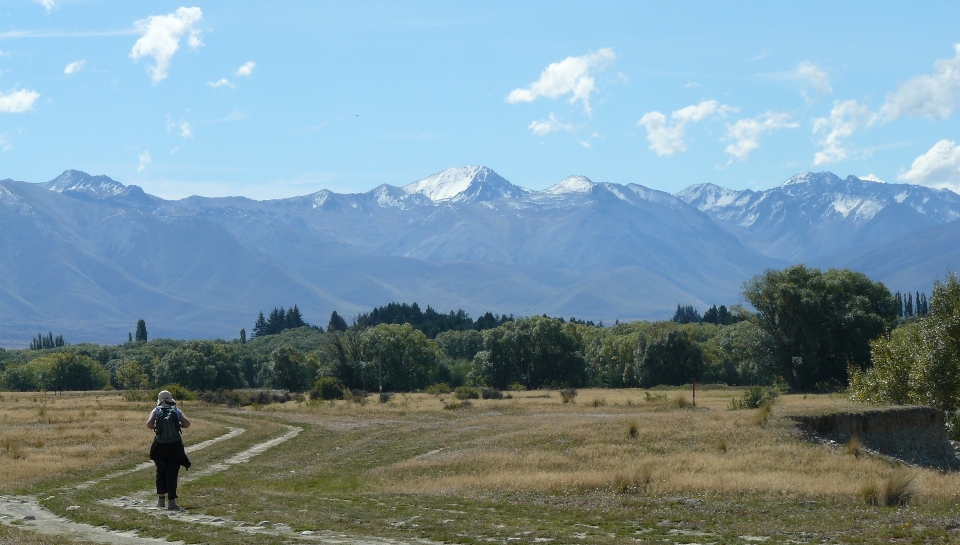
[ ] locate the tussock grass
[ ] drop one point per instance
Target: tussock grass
(899, 488)
(762, 416)
(568, 395)
(853, 447)
(598, 402)
(633, 429)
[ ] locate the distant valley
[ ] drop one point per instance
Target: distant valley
(86, 256)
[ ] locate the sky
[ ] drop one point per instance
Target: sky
(272, 100)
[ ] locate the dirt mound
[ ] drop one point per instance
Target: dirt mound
(917, 435)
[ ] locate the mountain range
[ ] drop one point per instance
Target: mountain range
(86, 256)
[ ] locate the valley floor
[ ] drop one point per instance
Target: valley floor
(614, 466)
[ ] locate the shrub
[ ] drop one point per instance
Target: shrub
(599, 402)
(491, 393)
(455, 405)
(722, 446)
(681, 402)
(653, 398)
(467, 392)
(358, 396)
(517, 387)
(633, 430)
(568, 395)
(438, 388)
(753, 398)
(244, 398)
(327, 388)
(384, 397)
(899, 488)
(178, 392)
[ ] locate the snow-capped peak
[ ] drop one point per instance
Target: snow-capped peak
(470, 183)
(571, 184)
(81, 182)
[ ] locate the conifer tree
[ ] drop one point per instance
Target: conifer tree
(141, 331)
(336, 323)
(908, 308)
(260, 327)
(243, 336)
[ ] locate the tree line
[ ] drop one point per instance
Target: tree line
(808, 330)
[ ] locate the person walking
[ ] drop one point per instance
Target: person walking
(167, 450)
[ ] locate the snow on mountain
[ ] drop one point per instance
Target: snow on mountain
(571, 184)
(819, 217)
(465, 184)
(81, 182)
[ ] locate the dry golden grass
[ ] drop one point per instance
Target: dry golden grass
(45, 435)
(535, 442)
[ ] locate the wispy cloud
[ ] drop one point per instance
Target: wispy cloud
(667, 139)
(872, 178)
(73, 68)
(246, 70)
(933, 96)
(17, 101)
(573, 76)
(12, 34)
(160, 38)
(746, 133)
(144, 161)
(549, 125)
(846, 117)
(48, 5)
(222, 82)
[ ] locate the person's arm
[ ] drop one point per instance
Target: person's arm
(184, 423)
(152, 421)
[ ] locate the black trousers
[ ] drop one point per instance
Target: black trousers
(168, 469)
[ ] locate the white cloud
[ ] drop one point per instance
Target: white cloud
(160, 38)
(817, 78)
(144, 161)
(746, 132)
(4, 143)
(222, 82)
(667, 140)
(573, 75)
(585, 144)
(549, 125)
(939, 167)
(73, 67)
(246, 70)
(872, 178)
(845, 118)
(17, 101)
(933, 96)
(48, 5)
(186, 130)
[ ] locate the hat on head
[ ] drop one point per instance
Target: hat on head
(165, 398)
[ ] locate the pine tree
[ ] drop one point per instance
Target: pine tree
(260, 327)
(337, 323)
(129, 337)
(294, 318)
(141, 331)
(243, 336)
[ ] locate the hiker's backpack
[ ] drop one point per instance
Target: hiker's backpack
(168, 425)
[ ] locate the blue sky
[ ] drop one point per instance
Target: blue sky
(285, 98)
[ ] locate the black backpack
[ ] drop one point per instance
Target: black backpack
(168, 425)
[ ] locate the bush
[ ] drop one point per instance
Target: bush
(491, 393)
(178, 392)
(754, 397)
(467, 392)
(853, 447)
(438, 388)
(654, 398)
(568, 395)
(244, 398)
(633, 430)
(517, 387)
(455, 405)
(327, 388)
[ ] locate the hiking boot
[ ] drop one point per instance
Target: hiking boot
(162, 502)
(173, 505)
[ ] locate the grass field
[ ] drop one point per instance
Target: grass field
(614, 466)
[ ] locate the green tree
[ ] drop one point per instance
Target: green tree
(671, 359)
(243, 336)
(141, 331)
(460, 344)
(336, 323)
(397, 357)
(132, 376)
(920, 362)
(289, 370)
(68, 371)
(816, 325)
(536, 352)
(201, 365)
